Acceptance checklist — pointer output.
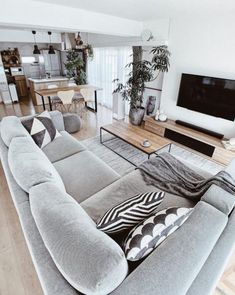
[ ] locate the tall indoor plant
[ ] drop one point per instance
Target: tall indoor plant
(75, 67)
(141, 72)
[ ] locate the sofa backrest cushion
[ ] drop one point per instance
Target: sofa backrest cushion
(11, 127)
(29, 165)
(89, 259)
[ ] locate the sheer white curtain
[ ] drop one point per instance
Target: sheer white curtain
(108, 64)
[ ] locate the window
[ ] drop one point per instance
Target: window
(107, 65)
(28, 59)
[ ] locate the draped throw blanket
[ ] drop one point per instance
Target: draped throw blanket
(170, 175)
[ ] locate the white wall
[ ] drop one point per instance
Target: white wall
(159, 29)
(36, 14)
(10, 35)
(204, 47)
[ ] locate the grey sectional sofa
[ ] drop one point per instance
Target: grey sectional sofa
(58, 221)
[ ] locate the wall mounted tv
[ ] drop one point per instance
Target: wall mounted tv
(208, 95)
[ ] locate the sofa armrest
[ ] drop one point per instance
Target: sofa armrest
(89, 259)
(220, 199)
(173, 266)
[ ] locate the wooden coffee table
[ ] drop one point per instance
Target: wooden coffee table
(134, 136)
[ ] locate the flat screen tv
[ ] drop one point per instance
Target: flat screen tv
(208, 95)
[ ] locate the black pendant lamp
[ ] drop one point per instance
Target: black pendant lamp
(35, 50)
(51, 48)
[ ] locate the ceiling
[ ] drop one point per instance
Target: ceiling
(143, 10)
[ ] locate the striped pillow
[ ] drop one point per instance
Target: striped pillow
(130, 212)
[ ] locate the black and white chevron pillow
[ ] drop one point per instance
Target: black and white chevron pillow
(41, 128)
(150, 233)
(130, 212)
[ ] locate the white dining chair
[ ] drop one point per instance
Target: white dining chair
(78, 100)
(55, 100)
(67, 99)
(88, 95)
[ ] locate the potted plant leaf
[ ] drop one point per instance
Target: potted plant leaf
(75, 67)
(141, 72)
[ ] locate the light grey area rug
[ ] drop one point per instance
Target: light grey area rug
(123, 167)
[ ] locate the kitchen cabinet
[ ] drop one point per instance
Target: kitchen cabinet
(21, 86)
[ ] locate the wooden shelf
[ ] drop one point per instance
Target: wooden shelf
(193, 137)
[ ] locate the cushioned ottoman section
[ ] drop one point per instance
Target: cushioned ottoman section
(123, 189)
(72, 122)
(84, 174)
(173, 266)
(88, 258)
(62, 147)
(29, 165)
(220, 199)
(11, 127)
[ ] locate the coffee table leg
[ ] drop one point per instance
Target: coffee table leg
(169, 150)
(101, 139)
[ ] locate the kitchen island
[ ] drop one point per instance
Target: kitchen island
(39, 84)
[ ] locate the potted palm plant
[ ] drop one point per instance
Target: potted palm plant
(141, 72)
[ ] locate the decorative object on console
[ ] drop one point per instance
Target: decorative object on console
(229, 144)
(130, 212)
(41, 128)
(162, 117)
(150, 233)
(151, 105)
(157, 115)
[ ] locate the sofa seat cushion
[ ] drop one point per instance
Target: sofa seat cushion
(11, 127)
(29, 165)
(84, 174)
(62, 147)
(89, 259)
(123, 189)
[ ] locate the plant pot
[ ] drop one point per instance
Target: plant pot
(136, 115)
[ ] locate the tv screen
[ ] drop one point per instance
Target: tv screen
(208, 95)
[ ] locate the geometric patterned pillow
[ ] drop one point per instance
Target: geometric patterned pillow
(42, 129)
(150, 233)
(130, 212)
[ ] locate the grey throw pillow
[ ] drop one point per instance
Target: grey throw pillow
(42, 129)
(130, 212)
(150, 233)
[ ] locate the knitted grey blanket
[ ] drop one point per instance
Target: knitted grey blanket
(170, 175)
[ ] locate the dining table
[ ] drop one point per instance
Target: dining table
(53, 92)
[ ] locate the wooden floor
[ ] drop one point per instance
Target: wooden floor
(17, 273)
